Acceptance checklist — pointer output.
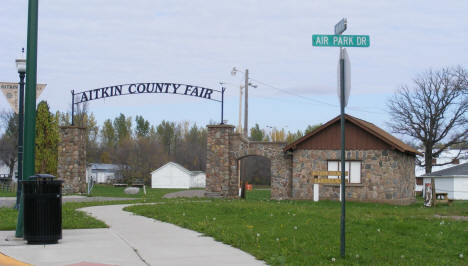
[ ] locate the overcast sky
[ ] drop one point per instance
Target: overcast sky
(89, 44)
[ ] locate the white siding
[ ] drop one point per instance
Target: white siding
(198, 180)
(443, 185)
(104, 177)
(170, 176)
(461, 188)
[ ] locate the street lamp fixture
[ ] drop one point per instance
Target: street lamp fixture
(21, 67)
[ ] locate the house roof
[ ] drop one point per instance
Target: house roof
(445, 159)
(366, 126)
(197, 172)
(180, 167)
(459, 170)
(104, 166)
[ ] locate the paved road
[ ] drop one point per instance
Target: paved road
(130, 240)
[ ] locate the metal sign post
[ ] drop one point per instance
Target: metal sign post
(343, 168)
(344, 85)
(29, 104)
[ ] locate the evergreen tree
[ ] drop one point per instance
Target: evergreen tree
(142, 127)
(108, 138)
(311, 128)
(123, 128)
(47, 139)
(256, 134)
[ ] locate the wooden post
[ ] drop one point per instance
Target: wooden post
(433, 192)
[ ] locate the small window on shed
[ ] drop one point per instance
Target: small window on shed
(352, 167)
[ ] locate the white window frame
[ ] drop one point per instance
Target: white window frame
(352, 167)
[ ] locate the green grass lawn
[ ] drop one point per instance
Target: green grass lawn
(4, 193)
(307, 233)
(73, 219)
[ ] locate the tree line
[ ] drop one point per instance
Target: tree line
(432, 113)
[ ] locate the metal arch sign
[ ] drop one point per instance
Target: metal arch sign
(139, 88)
(149, 87)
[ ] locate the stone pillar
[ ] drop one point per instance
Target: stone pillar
(218, 160)
(71, 165)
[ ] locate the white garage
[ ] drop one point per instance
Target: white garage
(173, 175)
(453, 181)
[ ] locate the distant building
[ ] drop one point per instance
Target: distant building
(173, 175)
(5, 170)
(446, 158)
(103, 173)
(453, 181)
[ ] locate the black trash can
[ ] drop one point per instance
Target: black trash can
(42, 209)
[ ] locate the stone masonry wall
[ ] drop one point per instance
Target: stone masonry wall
(217, 160)
(224, 150)
(71, 165)
(386, 175)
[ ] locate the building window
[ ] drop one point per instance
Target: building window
(352, 167)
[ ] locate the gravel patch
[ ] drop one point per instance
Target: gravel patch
(186, 194)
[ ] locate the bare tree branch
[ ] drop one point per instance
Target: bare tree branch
(434, 111)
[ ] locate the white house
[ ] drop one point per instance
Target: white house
(446, 158)
(5, 170)
(453, 181)
(173, 175)
(102, 173)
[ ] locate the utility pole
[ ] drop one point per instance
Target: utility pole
(239, 126)
(246, 112)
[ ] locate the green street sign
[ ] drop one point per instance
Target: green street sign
(323, 40)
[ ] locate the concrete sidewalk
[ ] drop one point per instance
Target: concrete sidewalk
(130, 240)
(9, 202)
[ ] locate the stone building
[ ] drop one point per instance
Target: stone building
(380, 167)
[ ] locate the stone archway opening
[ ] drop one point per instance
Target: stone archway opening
(226, 148)
(255, 169)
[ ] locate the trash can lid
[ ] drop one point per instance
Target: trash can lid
(41, 176)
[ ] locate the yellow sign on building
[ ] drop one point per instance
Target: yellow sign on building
(329, 180)
(328, 173)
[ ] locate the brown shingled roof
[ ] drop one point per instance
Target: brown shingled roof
(369, 127)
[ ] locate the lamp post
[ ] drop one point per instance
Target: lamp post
(21, 67)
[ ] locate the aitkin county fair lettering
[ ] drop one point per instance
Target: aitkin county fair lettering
(138, 88)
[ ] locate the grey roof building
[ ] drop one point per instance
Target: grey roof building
(453, 181)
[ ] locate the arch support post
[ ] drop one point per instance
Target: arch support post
(218, 161)
(71, 166)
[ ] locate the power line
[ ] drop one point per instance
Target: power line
(357, 109)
